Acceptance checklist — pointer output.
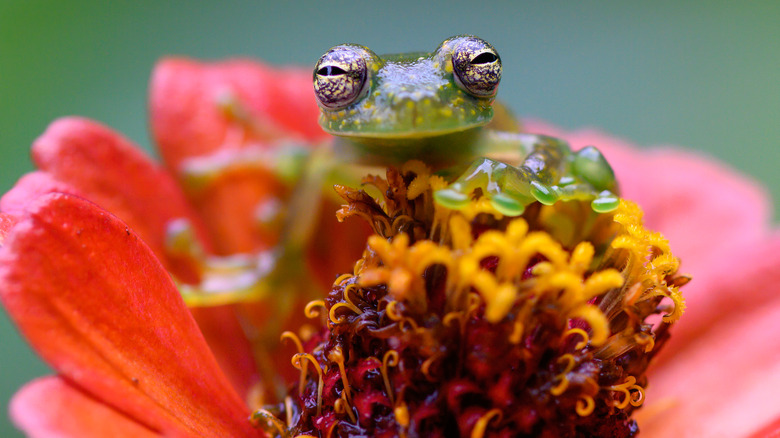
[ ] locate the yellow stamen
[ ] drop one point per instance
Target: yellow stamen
(585, 406)
(311, 308)
(561, 387)
(341, 406)
(390, 359)
(337, 355)
(341, 278)
(298, 363)
(632, 393)
(578, 331)
(338, 320)
(299, 346)
(481, 425)
(268, 422)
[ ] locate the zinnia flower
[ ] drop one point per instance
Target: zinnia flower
(91, 290)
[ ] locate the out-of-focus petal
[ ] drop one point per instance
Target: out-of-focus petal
(227, 340)
(771, 430)
(336, 245)
(7, 222)
(97, 305)
(50, 408)
(229, 209)
(723, 385)
(188, 120)
(746, 276)
(29, 188)
(186, 117)
(115, 174)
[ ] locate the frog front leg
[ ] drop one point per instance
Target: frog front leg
(548, 173)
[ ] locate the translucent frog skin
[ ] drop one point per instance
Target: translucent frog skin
(437, 107)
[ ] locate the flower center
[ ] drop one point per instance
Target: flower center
(469, 323)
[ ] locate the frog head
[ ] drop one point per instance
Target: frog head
(409, 96)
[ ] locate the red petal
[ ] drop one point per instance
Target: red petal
(29, 188)
(186, 120)
(50, 407)
(99, 307)
(723, 384)
(115, 174)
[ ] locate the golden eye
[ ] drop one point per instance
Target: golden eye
(341, 76)
(477, 67)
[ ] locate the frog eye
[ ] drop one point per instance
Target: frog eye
(340, 76)
(477, 67)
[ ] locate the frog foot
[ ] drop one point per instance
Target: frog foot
(506, 188)
(510, 189)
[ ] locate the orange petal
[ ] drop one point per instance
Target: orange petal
(97, 305)
(187, 121)
(724, 384)
(115, 174)
(50, 407)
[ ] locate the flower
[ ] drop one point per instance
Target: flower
(92, 293)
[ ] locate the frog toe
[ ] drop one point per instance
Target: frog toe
(605, 202)
(451, 198)
(545, 194)
(507, 205)
(590, 165)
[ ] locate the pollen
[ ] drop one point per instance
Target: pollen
(469, 323)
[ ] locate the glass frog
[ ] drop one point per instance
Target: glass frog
(438, 108)
(434, 107)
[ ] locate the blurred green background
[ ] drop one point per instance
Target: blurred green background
(702, 75)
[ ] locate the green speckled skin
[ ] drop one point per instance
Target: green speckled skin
(436, 107)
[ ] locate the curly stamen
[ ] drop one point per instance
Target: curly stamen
(338, 320)
(578, 331)
(299, 346)
(312, 308)
(426, 365)
(628, 388)
(341, 278)
(337, 355)
(390, 359)
(585, 406)
(297, 361)
(341, 406)
(269, 423)
(481, 425)
(561, 387)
